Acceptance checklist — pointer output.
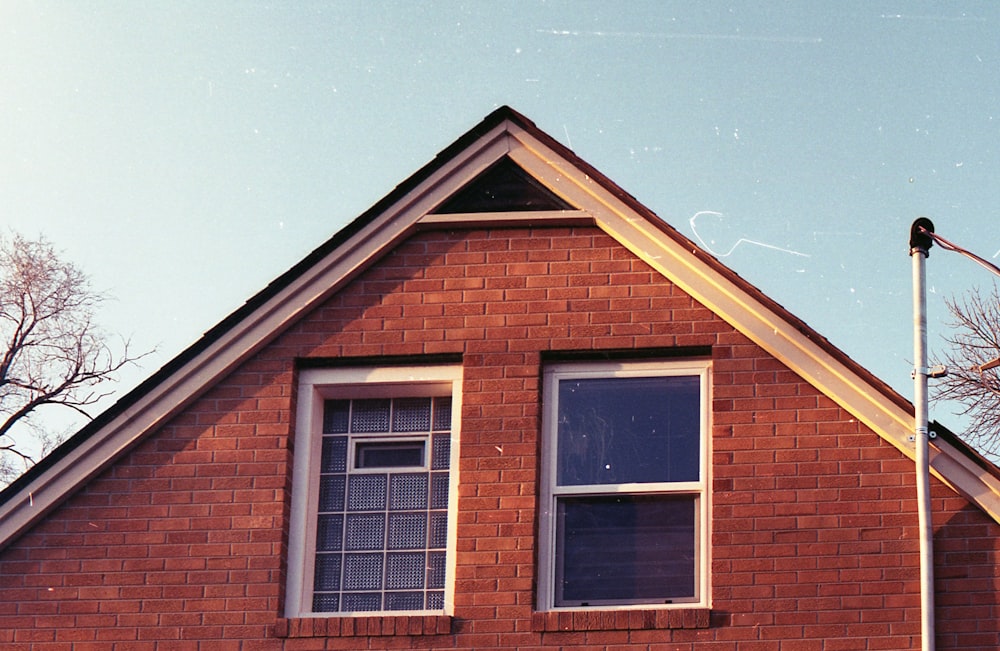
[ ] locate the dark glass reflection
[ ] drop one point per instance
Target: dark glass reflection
(624, 430)
(624, 549)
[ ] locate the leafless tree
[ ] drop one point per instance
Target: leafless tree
(52, 352)
(974, 342)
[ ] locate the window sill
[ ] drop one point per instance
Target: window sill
(619, 620)
(336, 626)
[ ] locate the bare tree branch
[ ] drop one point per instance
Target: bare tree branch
(974, 341)
(53, 353)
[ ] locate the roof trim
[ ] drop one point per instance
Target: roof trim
(598, 200)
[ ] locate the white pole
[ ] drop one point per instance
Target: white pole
(920, 244)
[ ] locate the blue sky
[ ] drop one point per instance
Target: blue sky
(186, 153)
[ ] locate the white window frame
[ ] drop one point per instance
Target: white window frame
(549, 492)
(316, 386)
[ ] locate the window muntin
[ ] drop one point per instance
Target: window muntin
(625, 470)
(374, 491)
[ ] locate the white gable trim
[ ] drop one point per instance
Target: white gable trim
(596, 204)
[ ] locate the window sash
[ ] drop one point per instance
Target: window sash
(627, 428)
(620, 549)
(553, 566)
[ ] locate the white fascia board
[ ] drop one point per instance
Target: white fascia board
(244, 339)
(753, 318)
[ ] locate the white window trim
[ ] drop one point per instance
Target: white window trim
(547, 542)
(317, 385)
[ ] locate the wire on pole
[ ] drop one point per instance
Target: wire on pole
(950, 246)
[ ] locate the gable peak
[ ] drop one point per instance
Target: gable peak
(503, 187)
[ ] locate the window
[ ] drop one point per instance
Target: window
(373, 492)
(624, 517)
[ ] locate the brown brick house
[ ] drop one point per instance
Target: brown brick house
(507, 407)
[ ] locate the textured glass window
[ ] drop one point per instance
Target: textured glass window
(382, 525)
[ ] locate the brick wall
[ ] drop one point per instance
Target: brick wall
(180, 544)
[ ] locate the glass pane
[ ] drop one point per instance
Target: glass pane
(327, 572)
(334, 455)
(365, 531)
(438, 530)
(411, 415)
(404, 601)
(439, 490)
(367, 492)
(331, 493)
(442, 414)
(362, 602)
(435, 569)
(408, 491)
(336, 414)
(405, 570)
(407, 531)
(623, 430)
(329, 532)
(326, 603)
(370, 416)
(653, 543)
(363, 572)
(389, 454)
(441, 452)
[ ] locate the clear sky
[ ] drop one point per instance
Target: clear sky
(185, 153)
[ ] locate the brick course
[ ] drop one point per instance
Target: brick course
(180, 544)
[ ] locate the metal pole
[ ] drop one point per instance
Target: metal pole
(920, 244)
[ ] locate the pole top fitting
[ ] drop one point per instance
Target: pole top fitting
(920, 239)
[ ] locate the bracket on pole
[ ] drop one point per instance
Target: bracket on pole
(936, 371)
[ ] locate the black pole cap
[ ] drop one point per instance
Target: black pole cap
(919, 239)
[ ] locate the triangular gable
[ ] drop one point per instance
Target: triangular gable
(560, 189)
